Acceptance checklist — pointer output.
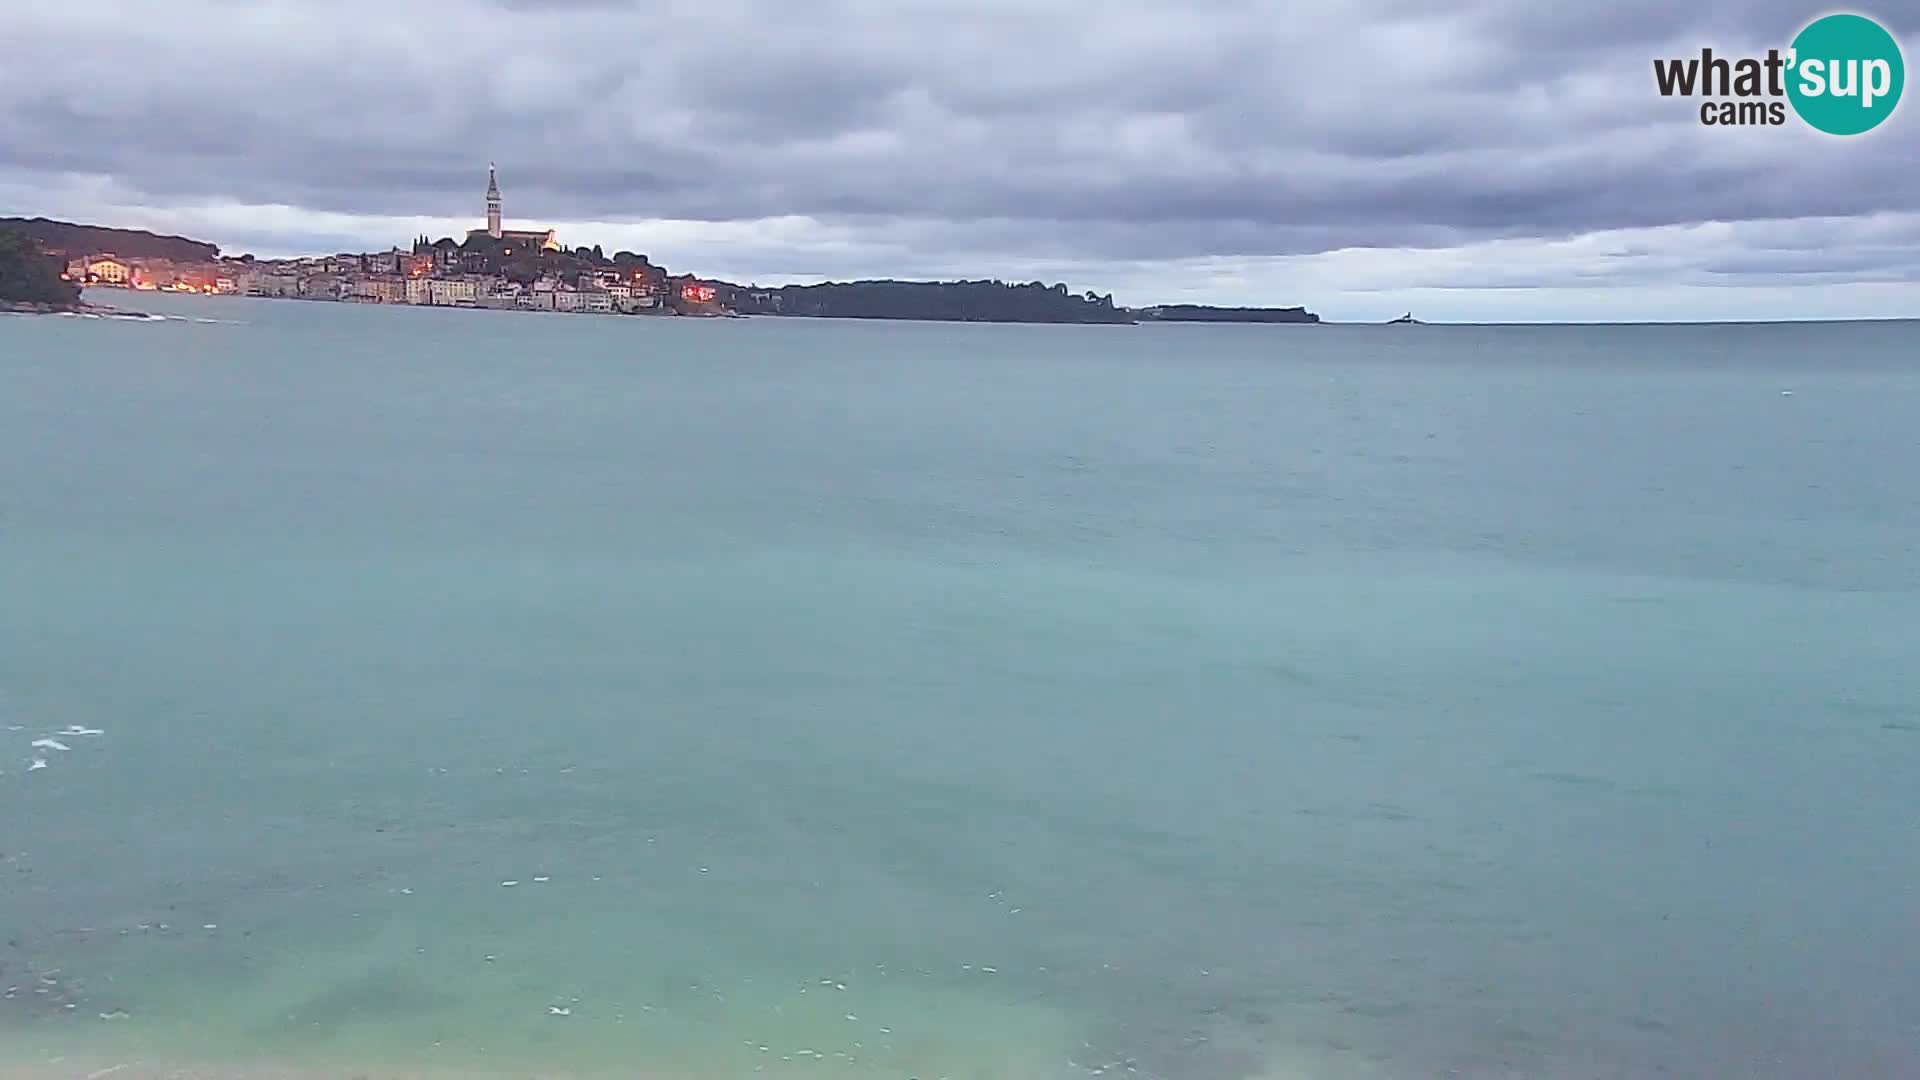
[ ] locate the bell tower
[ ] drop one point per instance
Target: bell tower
(493, 204)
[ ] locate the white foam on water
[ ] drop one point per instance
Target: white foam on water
(36, 764)
(49, 744)
(76, 729)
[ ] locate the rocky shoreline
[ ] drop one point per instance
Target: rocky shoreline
(83, 307)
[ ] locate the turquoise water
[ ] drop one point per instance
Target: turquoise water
(1198, 703)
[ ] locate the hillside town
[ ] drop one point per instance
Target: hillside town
(491, 267)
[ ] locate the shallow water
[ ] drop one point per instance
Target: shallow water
(1200, 703)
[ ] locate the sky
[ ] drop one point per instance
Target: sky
(1461, 159)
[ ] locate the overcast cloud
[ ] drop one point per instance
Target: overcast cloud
(1463, 158)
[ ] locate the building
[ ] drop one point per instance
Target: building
(173, 276)
(501, 294)
(274, 284)
(531, 239)
(493, 203)
(629, 298)
(380, 290)
(323, 287)
(108, 270)
(452, 292)
(598, 301)
(387, 262)
(566, 299)
(446, 254)
(416, 290)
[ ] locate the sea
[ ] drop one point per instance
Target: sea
(394, 692)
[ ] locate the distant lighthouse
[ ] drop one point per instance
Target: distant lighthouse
(493, 203)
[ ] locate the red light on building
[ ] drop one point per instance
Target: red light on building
(695, 293)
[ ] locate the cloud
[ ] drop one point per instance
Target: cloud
(975, 137)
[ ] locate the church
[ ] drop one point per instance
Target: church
(506, 239)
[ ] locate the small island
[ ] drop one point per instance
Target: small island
(1203, 313)
(30, 280)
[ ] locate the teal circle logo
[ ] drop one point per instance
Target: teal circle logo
(1846, 74)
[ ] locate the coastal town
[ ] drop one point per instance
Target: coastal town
(491, 267)
(496, 267)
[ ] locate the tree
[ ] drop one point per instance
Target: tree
(28, 276)
(965, 301)
(64, 238)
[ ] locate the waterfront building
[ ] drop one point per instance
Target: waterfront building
(278, 283)
(695, 292)
(324, 287)
(108, 270)
(381, 289)
(452, 292)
